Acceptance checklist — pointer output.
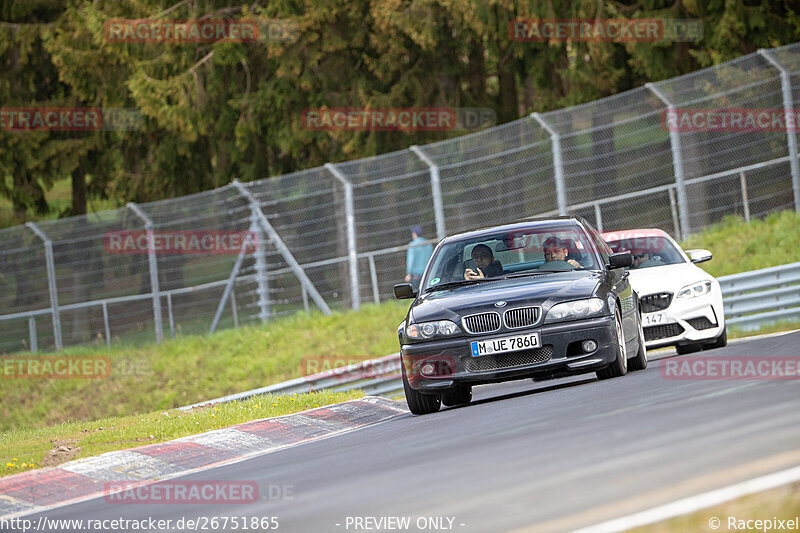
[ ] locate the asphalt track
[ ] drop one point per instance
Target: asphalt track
(548, 456)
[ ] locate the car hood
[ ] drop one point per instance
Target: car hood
(541, 290)
(667, 278)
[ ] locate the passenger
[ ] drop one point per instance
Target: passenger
(644, 259)
(555, 256)
(486, 266)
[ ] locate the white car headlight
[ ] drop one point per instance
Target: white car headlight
(575, 310)
(429, 330)
(695, 289)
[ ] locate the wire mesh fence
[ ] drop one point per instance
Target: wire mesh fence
(336, 236)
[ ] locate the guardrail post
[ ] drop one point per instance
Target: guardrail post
(151, 257)
(558, 164)
(677, 163)
(436, 192)
(355, 289)
(282, 248)
(791, 133)
(51, 282)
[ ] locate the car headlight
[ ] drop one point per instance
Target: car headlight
(575, 310)
(695, 289)
(429, 330)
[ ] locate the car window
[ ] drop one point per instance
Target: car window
(648, 251)
(510, 252)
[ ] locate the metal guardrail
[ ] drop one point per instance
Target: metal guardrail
(760, 297)
(374, 377)
(751, 299)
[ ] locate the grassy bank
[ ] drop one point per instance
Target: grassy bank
(28, 449)
(189, 369)
(738, 246)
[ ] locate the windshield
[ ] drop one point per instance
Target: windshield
(650, 251)
(526, 251)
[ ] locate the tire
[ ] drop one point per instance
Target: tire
(688, 348)
(620, 365)
(640, 361)
(719, 342)
(460, 395)
(418, 403)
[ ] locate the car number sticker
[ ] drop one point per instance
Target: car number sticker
(504, 344)
(652, 319)
(434, 281)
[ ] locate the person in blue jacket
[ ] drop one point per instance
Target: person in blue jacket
(417, 257)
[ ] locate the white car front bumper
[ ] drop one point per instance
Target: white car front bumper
(685, 321)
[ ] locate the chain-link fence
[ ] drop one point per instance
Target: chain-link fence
(336, 236)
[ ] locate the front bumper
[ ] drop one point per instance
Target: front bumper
(559, 354)
(686, 321)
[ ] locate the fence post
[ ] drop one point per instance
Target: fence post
(558, 164)
(436, 192)
(226, 293)
(791, 135)
(261, 272)
(373, 276)
(281, 247)
(677, 162)
(745, 197)
(106, 324)
(355, 289)
(32, 333)
(674, 209)
(151, 257)
(598, 217)
(51, 283)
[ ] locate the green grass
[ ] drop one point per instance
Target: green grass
(196, 368)
(782, 503)
(738, 246)
(27, 449)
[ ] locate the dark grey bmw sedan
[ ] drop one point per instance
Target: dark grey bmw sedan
(540, 299)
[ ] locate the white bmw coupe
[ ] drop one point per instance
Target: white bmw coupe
(681, 303)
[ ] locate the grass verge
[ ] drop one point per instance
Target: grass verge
(782, 503)
(27, 449)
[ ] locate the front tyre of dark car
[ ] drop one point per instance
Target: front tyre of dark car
(640, 361)
(460, 395)
(620, 365)
(418, 403)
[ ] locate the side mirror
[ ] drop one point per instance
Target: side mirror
(403, 291)
(699, 256)
(620, 260)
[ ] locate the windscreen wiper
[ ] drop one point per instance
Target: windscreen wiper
(459, 283)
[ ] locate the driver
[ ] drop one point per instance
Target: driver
(555, 255)
(486, 266)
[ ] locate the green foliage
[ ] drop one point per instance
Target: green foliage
(213, 112)
(739, 246)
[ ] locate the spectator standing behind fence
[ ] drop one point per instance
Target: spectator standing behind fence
(417, 257)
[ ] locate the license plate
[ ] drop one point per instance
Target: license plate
(652, 319)
(505, 344)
